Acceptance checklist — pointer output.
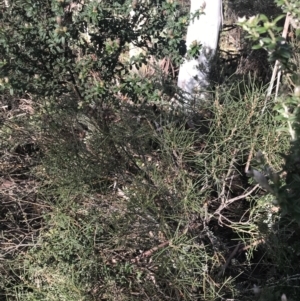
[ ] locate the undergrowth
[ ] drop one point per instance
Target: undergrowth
(110, 194)
(140, 205)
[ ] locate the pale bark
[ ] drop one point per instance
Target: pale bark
(193, 74)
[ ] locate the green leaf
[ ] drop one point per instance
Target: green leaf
(255, 47)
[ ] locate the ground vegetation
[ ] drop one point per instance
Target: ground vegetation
(110, 191)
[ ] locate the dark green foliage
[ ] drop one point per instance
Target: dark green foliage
(53, 47)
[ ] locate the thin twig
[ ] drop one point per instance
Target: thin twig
(232, 254)
(275, 72)
(251, 152)
(228, 202)
(254, 244)
(277, 63)
(222, 194)
(148, 253)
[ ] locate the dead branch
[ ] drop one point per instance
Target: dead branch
(148, 253)
(232, 254)
(228, 202)
(288, 20)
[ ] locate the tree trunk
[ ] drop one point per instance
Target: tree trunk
(194, 74)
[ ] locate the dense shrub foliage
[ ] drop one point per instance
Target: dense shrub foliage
(54, 47)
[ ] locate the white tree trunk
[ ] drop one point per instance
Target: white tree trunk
(193, 74)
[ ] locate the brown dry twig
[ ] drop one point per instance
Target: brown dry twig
(232, 254)
(148, 253)
(254, 244)
(238, 249)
